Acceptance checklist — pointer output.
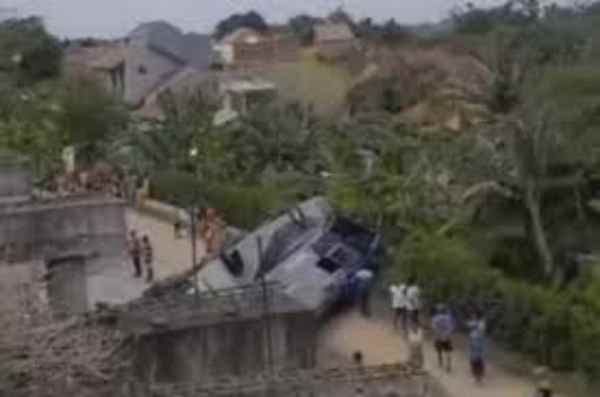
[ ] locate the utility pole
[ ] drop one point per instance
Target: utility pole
(193, 237)
(193, 220)
(265, 303)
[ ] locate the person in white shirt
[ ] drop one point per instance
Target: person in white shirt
(398, 295)
(415, 343)
(413, 299)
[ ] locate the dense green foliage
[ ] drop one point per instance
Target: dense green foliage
(29, 54)
(38, 121)
(251, 19)
(303, 27)
(40, 112)
(560, 328)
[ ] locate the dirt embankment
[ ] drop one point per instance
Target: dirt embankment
(380, 344)
(430, 86)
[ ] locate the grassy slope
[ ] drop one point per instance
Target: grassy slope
(314, 82)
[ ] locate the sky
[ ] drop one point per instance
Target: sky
(115, 18)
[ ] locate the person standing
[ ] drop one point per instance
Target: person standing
(357, 359)
(364, 279)
(177, 227)
(544, 386)
(443, 327)
(135, 252)
(413, 299)
(544, 389)
(398, 296)
(477, 329)
(415, 343)
(148, 258)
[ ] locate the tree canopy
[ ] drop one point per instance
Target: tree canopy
(251, 19)
(28, 52)
(303, 27)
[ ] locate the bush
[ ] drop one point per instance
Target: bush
(243, 206)
(557, 328)
(174, 187)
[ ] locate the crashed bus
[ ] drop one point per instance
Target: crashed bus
(309, 251)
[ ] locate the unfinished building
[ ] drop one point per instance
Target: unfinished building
(77, 242)
(15, 181)
(184, 337)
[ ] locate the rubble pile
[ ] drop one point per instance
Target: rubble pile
(45, 355)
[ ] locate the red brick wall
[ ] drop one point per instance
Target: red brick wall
(268, 51)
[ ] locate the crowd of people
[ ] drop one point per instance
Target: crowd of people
(210, 227)
(96, 180)
(407, 306)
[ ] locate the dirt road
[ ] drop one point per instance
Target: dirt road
(380, 344)
(172, 256)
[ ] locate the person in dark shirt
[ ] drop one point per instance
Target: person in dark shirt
(477, 330)
(443, 327)
(135, 252)
(363, 279)
(148, 254)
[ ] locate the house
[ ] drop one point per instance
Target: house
(226, 46)
(273, 49)
(334, 40)
(246, 48)
(134, 67)
(110, 69)
(157, 51)
(103, 62)
(239, 94)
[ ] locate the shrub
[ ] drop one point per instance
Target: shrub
(244, 206)
(174, 187)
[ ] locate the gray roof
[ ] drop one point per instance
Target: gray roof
(192, 49)
(198, 50)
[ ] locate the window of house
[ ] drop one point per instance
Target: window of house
(142, 69)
